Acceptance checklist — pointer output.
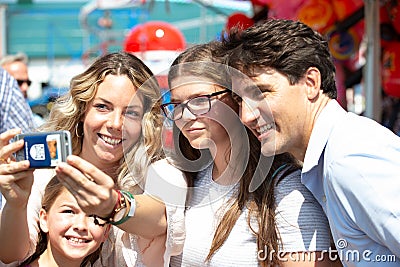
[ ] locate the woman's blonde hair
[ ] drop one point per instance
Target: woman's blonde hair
(68, 111)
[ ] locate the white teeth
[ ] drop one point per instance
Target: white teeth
(77, 240)
(111, 141)
(265, 128)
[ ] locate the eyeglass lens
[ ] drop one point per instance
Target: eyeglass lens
(197, 106)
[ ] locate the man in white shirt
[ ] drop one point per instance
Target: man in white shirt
(351, 163)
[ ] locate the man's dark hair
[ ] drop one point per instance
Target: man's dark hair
(288, 47)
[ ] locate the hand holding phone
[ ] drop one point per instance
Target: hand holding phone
(45, 149)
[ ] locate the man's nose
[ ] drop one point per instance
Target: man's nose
(249, 112)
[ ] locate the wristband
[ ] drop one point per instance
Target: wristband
(119, 205)
(130, 205)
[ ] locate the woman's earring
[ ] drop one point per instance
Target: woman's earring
(76, 130)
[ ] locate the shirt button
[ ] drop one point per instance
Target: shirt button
(323, 198)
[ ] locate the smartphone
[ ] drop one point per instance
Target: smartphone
(44, 149)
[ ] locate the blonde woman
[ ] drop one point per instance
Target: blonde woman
(112, 112)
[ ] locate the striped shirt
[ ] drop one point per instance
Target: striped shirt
(301, 222)
(14, 111)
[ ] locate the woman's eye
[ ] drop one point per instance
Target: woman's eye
(133, 114)
(68, 211)
(198, 101)
(100, 106)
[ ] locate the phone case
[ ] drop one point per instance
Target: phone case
(45, 149)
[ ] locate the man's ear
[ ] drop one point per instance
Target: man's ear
(43, 221)
(313, 82)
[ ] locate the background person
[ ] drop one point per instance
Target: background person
(17, 66)
(350, 163)
(226, 224)
(14, 111)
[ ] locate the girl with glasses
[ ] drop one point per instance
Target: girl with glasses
(242, 209)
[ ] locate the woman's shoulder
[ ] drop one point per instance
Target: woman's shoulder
(164, 164)
(167, 182)
(300, 219)
(164, 169)
(288, 181)
(289, 190)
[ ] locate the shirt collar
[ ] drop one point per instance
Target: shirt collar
(320, 133)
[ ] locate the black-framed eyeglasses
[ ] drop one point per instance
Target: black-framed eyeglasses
(198, 105)
(21, 82)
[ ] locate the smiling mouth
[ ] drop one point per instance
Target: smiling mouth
(77, 240)
(265, 128)
(194, 129)
(109, 140)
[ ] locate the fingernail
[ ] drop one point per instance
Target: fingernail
(58, 170)
(61, 165)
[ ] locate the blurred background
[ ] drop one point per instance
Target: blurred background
(61, 38)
